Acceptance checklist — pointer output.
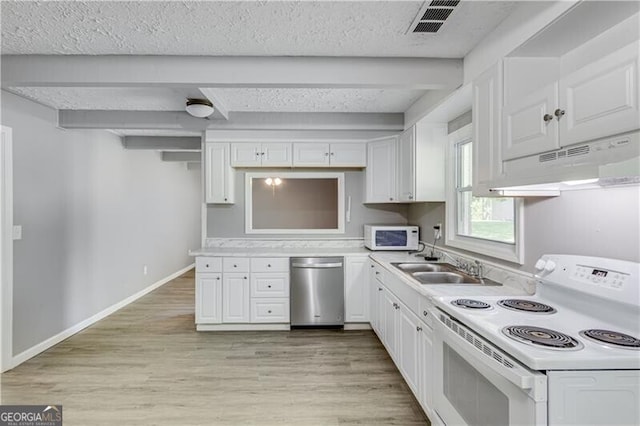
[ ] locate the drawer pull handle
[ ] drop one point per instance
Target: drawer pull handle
(268, 265)
(418, 328)
(206, 266)
(269, 286)
(235, 266)
(379, 288)
(547, 118)
(424, 313)
(218, 278)
(245, 278)
(269, 311)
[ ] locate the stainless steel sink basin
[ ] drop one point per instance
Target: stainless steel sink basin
(445, 278)
(424, 267)
(439, 273)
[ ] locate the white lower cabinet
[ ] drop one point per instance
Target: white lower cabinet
(356, 289)
(235, 297)
(409, 328)
(208, 298)
(407, 335)
(270, 310)
(241, 291)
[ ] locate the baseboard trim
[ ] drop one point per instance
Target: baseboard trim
(357, 326)
(243, 327)
(54, 340)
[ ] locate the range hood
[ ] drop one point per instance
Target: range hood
(609, 161)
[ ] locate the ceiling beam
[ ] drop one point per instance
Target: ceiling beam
(162, 142)
(191, 157)
(217, 102)
(236, 71)
(169, 120)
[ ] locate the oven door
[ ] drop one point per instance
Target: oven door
(477, 384)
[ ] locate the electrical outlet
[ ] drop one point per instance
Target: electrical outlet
(437, 231)
(17, 232)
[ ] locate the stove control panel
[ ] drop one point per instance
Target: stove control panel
(600, 276)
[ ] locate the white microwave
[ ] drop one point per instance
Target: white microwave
(391, 237)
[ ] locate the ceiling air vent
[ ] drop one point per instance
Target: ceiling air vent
(432, 16)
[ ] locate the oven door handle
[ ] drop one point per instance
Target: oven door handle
(532, 381)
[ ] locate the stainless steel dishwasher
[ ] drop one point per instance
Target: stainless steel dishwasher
(317, 291)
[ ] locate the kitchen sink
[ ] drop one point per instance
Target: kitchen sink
(424, 267)
(440, 273)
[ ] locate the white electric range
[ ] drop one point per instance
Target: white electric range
(570, 354)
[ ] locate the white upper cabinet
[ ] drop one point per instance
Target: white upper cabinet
(573, 90)
(529, 126)
(421, 163)
(261, 154)
(487, 119)
(381, 171)
(330, 154)
(348, 154)
(601, 98)
(219, 176)
(311, 154)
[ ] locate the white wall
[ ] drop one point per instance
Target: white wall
(594, 222)
(92, 214)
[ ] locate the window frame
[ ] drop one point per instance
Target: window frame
(500, 250)
(249, 176)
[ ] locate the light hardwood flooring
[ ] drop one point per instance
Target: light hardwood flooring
(146, 365)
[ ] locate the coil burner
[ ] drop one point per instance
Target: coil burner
(471, 304)
(543, 337)
(611, 338)
(526, 306)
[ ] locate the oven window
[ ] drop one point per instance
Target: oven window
(391, 238)
(476, 399)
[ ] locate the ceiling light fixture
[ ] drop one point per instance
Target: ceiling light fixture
(273, 182)
(199, 108)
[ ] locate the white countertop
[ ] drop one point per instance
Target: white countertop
(280, 251)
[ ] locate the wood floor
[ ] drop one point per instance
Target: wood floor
(146, 365)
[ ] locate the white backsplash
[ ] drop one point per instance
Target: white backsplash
(283, 243)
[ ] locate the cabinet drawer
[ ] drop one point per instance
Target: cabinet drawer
(208, 264)
(270, 310)
(270, 264)
(235, 264)
(270, 284)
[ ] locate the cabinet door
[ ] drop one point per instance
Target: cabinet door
(380, 174)
(487, 161)
(310, 154)
(246, 154)
(356, 298)
(529, 126)
(426, 370)
(409, 346)
(601, 99)
(348, 155)
(390, 318)
(235, 298)
(372, 283)
(219, 176)
(208, 298)
(406, 165)
(276, 154)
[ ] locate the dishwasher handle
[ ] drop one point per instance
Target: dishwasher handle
(317, 265)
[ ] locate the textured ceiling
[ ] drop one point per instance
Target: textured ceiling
(237, 28)
(260, 28)
(109, 98)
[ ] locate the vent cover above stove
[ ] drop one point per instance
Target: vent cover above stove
(432, 15)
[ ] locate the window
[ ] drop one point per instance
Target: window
(292, 203)
(485, 225)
